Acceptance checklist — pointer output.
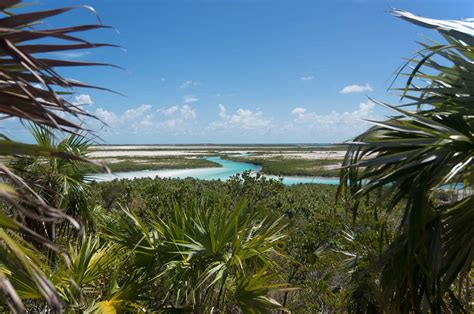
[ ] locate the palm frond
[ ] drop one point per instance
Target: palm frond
(204, 249)
(31, 89)
(21, 71)
(412, 156)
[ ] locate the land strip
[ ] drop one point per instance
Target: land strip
(279, 159)
(293, 166)
(124, 164)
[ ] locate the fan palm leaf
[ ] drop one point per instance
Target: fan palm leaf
(21, 72)
(202, 253)
(413, 156)
(32, 90)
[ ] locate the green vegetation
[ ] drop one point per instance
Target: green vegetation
(217, 148)
(411, 156)
(397, 241)
(34, 92)
(293, 166)
(312, 258)
(156, 163)
(201, 254)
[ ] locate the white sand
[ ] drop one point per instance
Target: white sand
(314, 155)
(180, 147)
(142, 153)
(118, 151)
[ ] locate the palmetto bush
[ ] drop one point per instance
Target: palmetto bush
(205, 257)
(59, 181)
(425, 149)
(224, 256)
(32, 90)
(200, 258)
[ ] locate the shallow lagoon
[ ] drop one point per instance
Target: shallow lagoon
(228, 169)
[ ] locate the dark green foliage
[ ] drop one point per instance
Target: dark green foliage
(137, 164)
(293, 166)
(426, 146)
(316, 226)
(32, 90)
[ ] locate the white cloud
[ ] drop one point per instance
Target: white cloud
(143, 120)
(239, 124)
(136, 113)
(168, 111)
(364, 111)
(190, 98)
(335, 124)
(356, 89)
(242, 119)
(187, 113)
(83, 100)
(106, 116)
(222, 111)
(189, 83)
(307, 78)
(305, 125)
(298, 111)
(126, 120)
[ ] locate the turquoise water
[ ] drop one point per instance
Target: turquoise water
(228, 169)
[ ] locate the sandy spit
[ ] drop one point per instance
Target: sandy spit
(141, 153)
(315, 155)
(181, 147)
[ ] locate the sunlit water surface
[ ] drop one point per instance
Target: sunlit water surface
(228, 169)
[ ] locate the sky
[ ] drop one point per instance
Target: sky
(242, 71)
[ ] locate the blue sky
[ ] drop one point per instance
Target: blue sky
(244, 71)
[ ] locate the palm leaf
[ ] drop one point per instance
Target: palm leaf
(20, 97)
(413, 155)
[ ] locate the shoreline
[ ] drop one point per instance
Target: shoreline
(228, 168)
(297, 161)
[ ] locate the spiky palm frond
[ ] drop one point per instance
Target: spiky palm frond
(58, 178)
(88, 278)
(24, 272)
(252, 292)
(32, 90)
(413, 156)
(29, 85)
(203, 252)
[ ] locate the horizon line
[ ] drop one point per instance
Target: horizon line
(216, 144)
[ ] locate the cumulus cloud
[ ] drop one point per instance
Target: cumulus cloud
(302, 124)
(168, 111)
(83, 100)
(356, 89)
(333, 126)
(242, 119)
(190, 98)
(143, 119)
(364, 111)
(127, 119)
(106, 116)
(298, 111)
(222, 111)
(189, 83)
(187, 112)
(136, 113)
(307, 78)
